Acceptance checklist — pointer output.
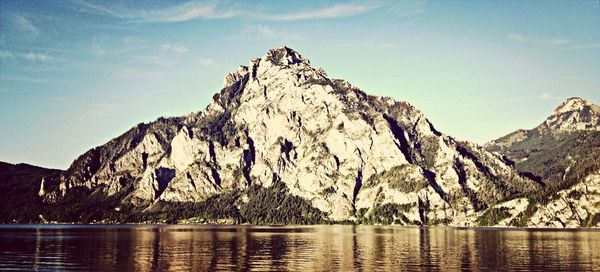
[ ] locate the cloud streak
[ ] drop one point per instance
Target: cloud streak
(559, 41)
(26, 79)
(261, 31)
(210, 10)
(335, 11)
(530, 39)
(548, 96)
(585, 46)
(30, 57)
(178, 13)
(36, 57)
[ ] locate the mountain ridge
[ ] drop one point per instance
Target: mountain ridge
(280, 128)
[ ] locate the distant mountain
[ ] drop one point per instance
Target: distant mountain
(19, 187)
(564, 153)
(283, 143)
(563, 149)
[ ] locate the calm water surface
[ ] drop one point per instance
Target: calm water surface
(300, 248)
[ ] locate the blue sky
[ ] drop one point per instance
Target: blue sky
(74, 74)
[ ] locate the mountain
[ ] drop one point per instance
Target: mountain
(19, 186)
(282, 143)
(561, 150)
(564, 153)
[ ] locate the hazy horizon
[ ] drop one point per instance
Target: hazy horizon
(75, 74)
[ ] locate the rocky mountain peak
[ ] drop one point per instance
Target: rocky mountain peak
(281, 70)
(572, 104)
(575, 114)
(274, 60)
(284, 56)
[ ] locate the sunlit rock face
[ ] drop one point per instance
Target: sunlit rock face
(573, 115)
(280, 120)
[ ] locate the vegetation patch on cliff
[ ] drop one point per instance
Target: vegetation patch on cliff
(386, 214)
(493, 215)
(236, 206)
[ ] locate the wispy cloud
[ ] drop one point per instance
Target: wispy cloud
(565, 43)
(211, 10)
(26, 79)
(335, 11)
(106, 45)
(262, 31)
(26, 25)
(585, 46)
(191, 11)
(175, 48)
(517, 37)
(535, 40)
(265, 30)
(547, 96)
(178, 13)
(57, 101)
(206, 61)
(557, 41)
(36, 57)
(386, 45)
(30, 56)
(87, 7)
(253, 32)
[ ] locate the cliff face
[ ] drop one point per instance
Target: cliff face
(281, 123)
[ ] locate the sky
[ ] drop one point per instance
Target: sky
(77, 73)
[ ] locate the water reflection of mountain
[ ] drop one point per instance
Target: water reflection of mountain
(314, 248)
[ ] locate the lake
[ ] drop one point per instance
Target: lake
(299, 248)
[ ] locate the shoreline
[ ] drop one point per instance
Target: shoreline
(498, 228)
